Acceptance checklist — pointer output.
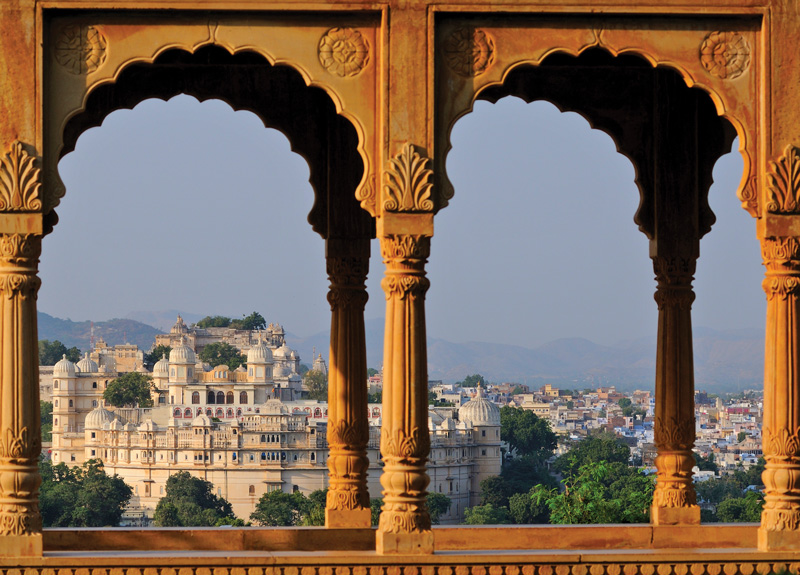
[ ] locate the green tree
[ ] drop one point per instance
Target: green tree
(486, 515)
(129, 389)
(279, 509)
(253, 321)
(155, 354)
(740, 436)
(745, 509)
(624, 402)
(221, 353)
(524, 431)
(603, 447)
(214, 321)
(375, 505)
(315, 513)
(438, 504)
(81, 496)
(599, 493)
(51, 352)
(46, 411)
(372, 372)
(472, 381)
(517, 390)
(376, 397)
(706, 463)
(317, 384)
(494, 491)
(190, 502)
(525, 508)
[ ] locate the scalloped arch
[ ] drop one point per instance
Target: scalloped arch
(449, 192)
(341, 126)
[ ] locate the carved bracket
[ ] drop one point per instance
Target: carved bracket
(20, 181)
(783, 182)
(407, 186)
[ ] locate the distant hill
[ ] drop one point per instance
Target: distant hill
(114, 331)
(163, 320)
(724, 360)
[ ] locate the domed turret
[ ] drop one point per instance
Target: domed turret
(179, 327)
(284, 352)
(480, 411)
(64, 368)
(259, 353)
(98, 417)
(88, 365)
(182, 354)
(161, 368)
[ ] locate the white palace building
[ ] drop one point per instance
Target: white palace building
(246, 431)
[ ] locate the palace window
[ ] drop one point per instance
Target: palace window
(229, 397)
(195, 397)
(243, 398)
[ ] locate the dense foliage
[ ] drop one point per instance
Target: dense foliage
(51, 352)
(129, 389)
(221, 353)
(190, 502)
(527, 433)
(593, 449)
(253, 321)
(731, 498)
(81, 496)
(46, 412)
(279, 509)
(155, 354)
(317, 384)
(472, 381)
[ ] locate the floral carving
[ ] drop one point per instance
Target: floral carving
(346, 499)
(405, 247)
(783, 182)
(17, 519)
(414, 444)
(343, 52)
(782, 444)
(672, 497)
(407, 186)
(409, 518)
(80, 49)
(749, 197)
(20, 182)
(347, 276)
(674, 433)
(780, 519)
(348, 434)
(17, 247)
(725, 55)
(469, 51)
(366, 194)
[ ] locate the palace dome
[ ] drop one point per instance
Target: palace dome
(275, 407)
(480, 411)
(259, 353)
(179, 327)
(64, 368)
(98, 417)
(161, 368)
(88, 365)
(284, 351)
(182, 354)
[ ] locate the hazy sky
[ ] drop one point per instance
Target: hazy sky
(192, 206)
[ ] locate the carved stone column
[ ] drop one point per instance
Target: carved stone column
(674, 500)
(348, 427)
(20, 427)
(780, 520)
(405, 525)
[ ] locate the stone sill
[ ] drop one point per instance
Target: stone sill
(462, 538)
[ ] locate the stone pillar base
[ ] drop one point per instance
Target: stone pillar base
(414, 543)
(348, 518)
(785, 540)
(689, 515)
(21, 545)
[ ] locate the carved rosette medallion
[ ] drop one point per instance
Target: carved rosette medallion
(407, 186)
(725, 55)
(783, 182)
(20, 181)
(80, 49)
(343, 52)
(469, 52)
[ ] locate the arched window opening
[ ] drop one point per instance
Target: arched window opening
(221, 397)
(211, 398)
(229, 397)
(243, 397)
(195, 397)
